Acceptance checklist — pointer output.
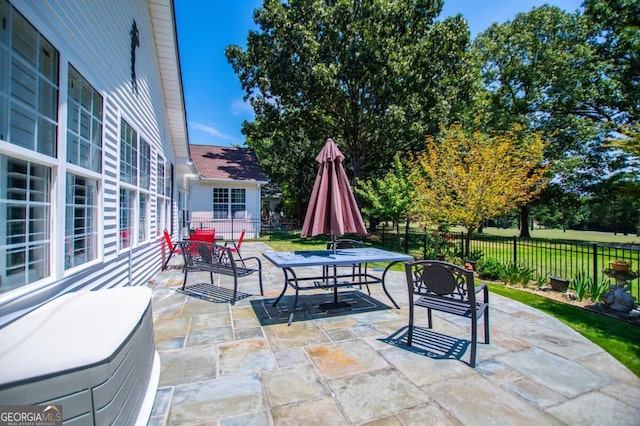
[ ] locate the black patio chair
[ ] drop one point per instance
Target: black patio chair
(445, 287)
(345, 243)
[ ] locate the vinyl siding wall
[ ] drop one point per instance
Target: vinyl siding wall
(94, 37)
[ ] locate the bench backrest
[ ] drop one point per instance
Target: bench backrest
(197, 253)
(433, 278)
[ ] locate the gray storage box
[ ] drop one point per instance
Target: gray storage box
(91, 352)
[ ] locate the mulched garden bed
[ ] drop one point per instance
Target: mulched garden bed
(568, 298)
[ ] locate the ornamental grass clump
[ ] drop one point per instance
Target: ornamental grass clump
(517, 274)
(490, 268)
(580, 284)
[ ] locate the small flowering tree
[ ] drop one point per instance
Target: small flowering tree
(461, 178)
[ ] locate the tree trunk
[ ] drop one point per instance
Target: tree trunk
(406, 237)
(524, 222)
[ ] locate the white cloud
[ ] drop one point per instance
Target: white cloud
(212, 131)
(241, 107)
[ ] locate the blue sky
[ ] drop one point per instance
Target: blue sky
(213, 97)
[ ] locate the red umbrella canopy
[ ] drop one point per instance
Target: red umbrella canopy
(332, 208)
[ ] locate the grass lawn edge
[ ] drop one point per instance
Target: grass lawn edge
(618, 338)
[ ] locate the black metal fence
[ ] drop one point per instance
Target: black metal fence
(564, 259)
(228, 229)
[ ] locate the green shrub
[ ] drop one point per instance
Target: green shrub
(515, 273)
(475, 254)
(580, 283)
(489, 268)
(598, 289)
(541, 279)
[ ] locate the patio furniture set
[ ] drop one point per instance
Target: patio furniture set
(434, 285)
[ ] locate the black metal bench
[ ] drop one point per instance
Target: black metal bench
(448, 288)
(217, 259)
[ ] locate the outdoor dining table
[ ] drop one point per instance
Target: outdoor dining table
(289, 260)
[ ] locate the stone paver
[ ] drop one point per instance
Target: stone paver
(596, 408)
(221, 366)
(554, 372)
(197, 402)
(296, 384)
(345, 358)
(366, 397)
(472, 399)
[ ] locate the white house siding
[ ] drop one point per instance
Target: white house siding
(202, 208)
(94, 37)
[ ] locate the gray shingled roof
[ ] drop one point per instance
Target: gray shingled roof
(225, 162)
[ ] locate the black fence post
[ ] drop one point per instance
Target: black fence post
(424, 244)
(595, 263)
(384, 228)
(406, 237)
(463, 241)
(515, 251)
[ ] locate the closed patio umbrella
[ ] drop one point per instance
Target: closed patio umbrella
(332, 207)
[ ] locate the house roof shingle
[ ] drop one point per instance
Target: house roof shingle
(227, 163)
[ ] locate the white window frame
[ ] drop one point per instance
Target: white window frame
(228, 194)
(163, 195)
(90, 105)
(133, 181)
(30, 112)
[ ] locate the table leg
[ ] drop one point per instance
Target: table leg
(384, 287)
(286, 282)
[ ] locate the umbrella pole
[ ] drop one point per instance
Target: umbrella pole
(335, 285)
(335, 272)
(335, 306)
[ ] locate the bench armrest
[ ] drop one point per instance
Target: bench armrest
(485, 291)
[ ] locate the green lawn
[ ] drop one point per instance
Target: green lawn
(618, 338)
(559, 234)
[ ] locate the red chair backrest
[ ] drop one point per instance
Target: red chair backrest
(167, 238)
(206, 235)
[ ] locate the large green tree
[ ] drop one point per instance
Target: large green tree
(376, 75)
(543, 71)
(617, 25)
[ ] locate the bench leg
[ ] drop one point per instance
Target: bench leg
(235, 290)
(410, 331)
(474, 339)
(486, 325)
(184, 281)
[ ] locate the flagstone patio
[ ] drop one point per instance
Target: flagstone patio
(242, 365)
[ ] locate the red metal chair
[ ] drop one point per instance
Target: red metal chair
(173, 248)
(234, 246)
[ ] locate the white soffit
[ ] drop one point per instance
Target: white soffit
(164, 33)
